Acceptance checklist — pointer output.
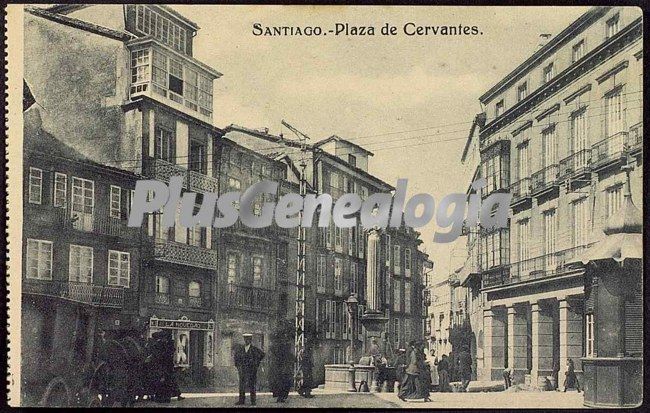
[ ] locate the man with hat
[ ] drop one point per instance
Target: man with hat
(247, 360)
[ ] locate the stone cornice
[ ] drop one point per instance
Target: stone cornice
(611, 72)
(586, 88)
(547, 112)
(629, 34)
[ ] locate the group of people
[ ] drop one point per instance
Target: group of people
(570, 377)
(413, 373)
(248, 359)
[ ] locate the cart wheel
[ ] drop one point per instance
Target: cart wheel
(56, 394)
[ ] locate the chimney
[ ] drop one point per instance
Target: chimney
(543, 39)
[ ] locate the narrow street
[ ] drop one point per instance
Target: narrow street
(571, 400)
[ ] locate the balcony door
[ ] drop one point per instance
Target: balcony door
(614, 122)
(550, 235)
(549, 154)
(83, 203)
(579, 139)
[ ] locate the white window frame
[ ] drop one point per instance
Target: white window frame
(578, 50)
(43, 272)
(389, 251)
(613, 199)
(353, 278)
(75, 269)
(407, 297)
(612, 26)
(407, 262)
(580, 215)
(548, 72)
(397, 295)
(396, 330)
(60, 192)
(35, 195)
(119, 279)
(233, 273)
(589, 335)
(397, 259)
(321, 273)
(79, 200)
(338, 276)
(257, 268)
(522, 91)
(160, 284)
(115, 201)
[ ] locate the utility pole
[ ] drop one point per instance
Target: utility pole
(299, 342)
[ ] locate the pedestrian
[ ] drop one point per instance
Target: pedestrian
(415, 385)
(465, 367)
(247, 360)
(400, 366)
(443, 374)
(281, 366)
(507, 377)
(571, 380)
(307, 370)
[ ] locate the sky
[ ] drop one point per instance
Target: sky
(409, 100)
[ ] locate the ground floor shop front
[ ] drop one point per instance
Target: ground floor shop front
(535, 335)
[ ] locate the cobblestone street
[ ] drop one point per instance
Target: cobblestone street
(389, 400)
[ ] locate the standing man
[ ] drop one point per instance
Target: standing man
(247, 360)
(465, 367)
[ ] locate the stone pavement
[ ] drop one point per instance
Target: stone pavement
(323, 398)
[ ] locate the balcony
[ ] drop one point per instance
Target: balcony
(184, 254)
(89, 294)
(192, 181)
(162, 298)
(635, 138)
(576, 165)
(172, 78)
(495, 276)
(196, 302)
(544, 266)
(96, 223)
(609, 150)
(520, 191)
(545, 179)
(245, 297)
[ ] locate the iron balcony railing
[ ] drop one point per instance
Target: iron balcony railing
(193, 181)
(97, 223)
(520, 189)
(543, 266)
(162, 298)
(194, 301)
(609, 149)
(495, 276)
(84, 293)
(184, 254)
(635, 139)
(545, 178)
(246, 297)
(576, 163)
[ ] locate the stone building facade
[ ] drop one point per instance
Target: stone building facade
(558, 129)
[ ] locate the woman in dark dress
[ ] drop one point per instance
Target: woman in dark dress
(415, 384)
(281, 377)
(571, 380)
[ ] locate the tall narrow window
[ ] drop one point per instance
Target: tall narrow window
(35, 186)
(197, 158)
(321, 274)
(139, 70)
(165, 144)
(407, 262)
(176, 84)
(338, 276)
(39, 259)
(119, 268)
(81, 264)
(614, 118)
(522, 245)
(580, 222)
(353, 277)
(191, 88)
(612, 26)
(578, 51)
(579, 138)
(549, 141)
(396, 331)
(397, 295)
(499, 108)
(614, 200)
(60, 189)
(116, 202)
(407, 297)
(233, 267)
(83, 203)
(397, 260)
(194, 294)
(522, 91)
(338, 239)
(523, 161)
(258, 271)
(589, 335)
(548, 73)
(388, 251)
(550, 238)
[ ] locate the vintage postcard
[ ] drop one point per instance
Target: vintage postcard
(325, 206)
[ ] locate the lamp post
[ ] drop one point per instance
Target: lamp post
(352, 303)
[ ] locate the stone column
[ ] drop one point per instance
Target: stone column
(493, 354)
(570, 337)
(542, 323)
(517, 340)
(373, 274)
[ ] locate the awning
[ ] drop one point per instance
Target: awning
(623, 235)
(618, 247)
